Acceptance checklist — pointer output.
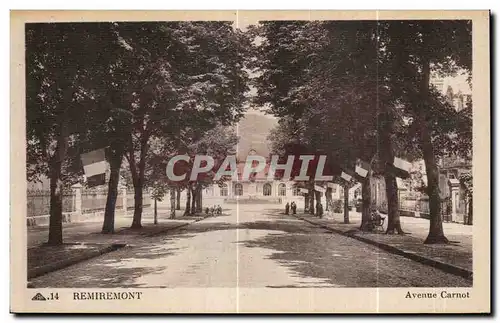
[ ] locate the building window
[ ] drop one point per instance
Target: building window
(267, 189)
(282, 190)
(223, 190)
(296, 191)
(238, 189)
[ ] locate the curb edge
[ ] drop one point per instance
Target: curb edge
(446, 267)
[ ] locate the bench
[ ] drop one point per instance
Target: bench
(376, 221)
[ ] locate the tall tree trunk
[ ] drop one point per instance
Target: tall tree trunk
(136, 222)
(137, 171)
(469, 217)
(172, 202)
(393, 219)
(187, 211)
(391, 188)
(178, 205)
(56, 196)
(318, 199)
(115, 163)
(346, 203)
(311, 202)
(56, 185)
(436, 233)
(199, 197)
(155, 213)
(311, 198)
(366, 203)
(328, 198)
(194, 196)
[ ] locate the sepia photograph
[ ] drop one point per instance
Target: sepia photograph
(251, 154)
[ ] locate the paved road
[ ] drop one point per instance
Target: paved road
(249, 247)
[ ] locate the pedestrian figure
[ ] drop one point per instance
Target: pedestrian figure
(207, 210)
(294, 208)
(287, 208)
(219, 210)
(319, 209)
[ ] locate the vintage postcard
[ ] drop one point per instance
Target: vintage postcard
(250, 162)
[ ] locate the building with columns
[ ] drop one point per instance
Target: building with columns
(253, 131)
(258, 188)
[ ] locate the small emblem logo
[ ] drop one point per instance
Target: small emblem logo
(38, 297)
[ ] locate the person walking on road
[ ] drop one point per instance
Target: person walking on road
(319, 210)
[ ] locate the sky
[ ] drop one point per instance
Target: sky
(457, 83)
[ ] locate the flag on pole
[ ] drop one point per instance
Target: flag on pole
(94, 167)
(319, 188)
(401, 167)
(399, 183)
(346, 176)
(402, 164)
(333, 186)
(362, 168)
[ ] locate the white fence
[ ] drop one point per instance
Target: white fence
(79, 204)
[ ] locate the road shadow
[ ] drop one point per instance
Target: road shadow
(122, 268)
(147, 255)
(306, 250)
(290, 225)
(337, 260)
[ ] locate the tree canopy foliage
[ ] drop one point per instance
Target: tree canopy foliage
(361, 90)
(126, 86)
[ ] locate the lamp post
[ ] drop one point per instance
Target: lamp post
(155, 214)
